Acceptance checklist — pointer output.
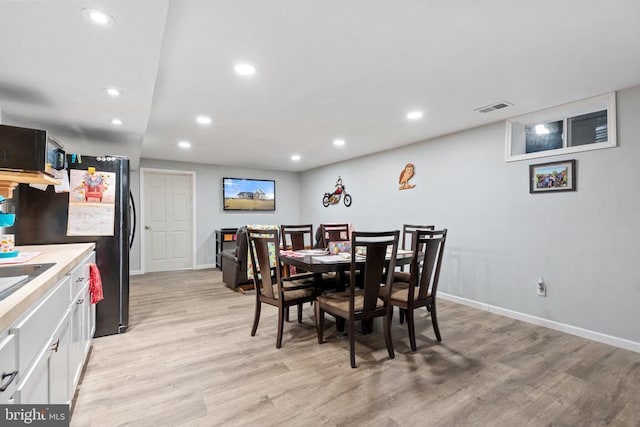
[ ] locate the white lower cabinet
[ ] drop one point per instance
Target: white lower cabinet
(34, 386)
(88, 326)
(79, 336)
(92, 321)
(48, 345)
(59, 365)
(36, 327)
(48, 378)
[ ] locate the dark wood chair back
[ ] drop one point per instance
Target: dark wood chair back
(426, 274)
(265, 275)
(333, 233)
(407, 231)
(376, 247)
(297, 237)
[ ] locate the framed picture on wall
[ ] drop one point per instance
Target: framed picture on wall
(552, 177)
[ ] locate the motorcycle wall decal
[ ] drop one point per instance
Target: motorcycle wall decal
(338, 193)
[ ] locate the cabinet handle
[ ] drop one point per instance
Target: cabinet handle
(55, 346)
(79, 279)
(11, 376)
(80, 301)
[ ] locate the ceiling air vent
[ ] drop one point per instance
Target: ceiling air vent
(497, 106)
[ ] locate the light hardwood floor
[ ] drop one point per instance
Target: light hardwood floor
(188, 360)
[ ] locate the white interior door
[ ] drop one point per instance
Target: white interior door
(167, 221)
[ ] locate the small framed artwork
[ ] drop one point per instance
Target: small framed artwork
(553, 176)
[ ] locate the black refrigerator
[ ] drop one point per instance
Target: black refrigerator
(41, 219)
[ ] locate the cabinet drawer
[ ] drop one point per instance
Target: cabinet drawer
(80, 274)
(34, 329)
(8, 368)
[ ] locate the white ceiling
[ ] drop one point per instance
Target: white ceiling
(325, 69)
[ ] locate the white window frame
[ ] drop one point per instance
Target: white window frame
(563, 112)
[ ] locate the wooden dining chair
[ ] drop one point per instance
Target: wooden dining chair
(370, 301)
(407, 231)
(297, 237)
(421, 288)
(271, 288)
(334, 233)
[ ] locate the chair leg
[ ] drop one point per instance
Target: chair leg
(434, 320)
(352, 343)
(286, 314)
(402, 311)
(391, 315)
(281, 314)
(256, 319)
(319, 322)
(387, 336)
(300, 313)
(412, 330)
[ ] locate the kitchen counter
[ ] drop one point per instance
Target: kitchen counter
(65, 258)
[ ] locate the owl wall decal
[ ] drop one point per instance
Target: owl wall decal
(405, 176)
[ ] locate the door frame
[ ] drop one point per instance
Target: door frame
(143, 248)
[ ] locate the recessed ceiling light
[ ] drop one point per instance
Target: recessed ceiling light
(112, 91)
(338, 142)
(414, 115)
(97, 17)
(203, 120)
(295, 157)
(245, 69)
(184, 144)
(116, 121)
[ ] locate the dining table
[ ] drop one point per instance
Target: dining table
(319, 262)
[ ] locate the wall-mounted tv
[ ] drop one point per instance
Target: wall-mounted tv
(245, 194)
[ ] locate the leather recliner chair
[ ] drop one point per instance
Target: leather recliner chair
(234, 262)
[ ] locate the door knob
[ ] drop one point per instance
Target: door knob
(146, 227)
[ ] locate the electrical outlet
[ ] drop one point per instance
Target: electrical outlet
(542, 287)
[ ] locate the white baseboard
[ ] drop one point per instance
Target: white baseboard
(551, 324)
(198, 267)
(203, 266)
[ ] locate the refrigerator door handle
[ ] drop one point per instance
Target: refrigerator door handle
(132, 219)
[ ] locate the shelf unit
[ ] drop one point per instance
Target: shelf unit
(10, 180)
(226, 238)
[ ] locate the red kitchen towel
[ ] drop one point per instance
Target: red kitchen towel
(95, 284)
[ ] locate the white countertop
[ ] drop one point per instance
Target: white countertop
(64, 256)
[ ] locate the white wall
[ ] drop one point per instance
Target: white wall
(210, 215)
(501, 238)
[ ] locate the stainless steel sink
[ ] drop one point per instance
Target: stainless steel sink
(13, 277)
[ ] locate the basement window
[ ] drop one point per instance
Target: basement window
(584, 125)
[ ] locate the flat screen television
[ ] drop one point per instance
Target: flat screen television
(246, 194)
